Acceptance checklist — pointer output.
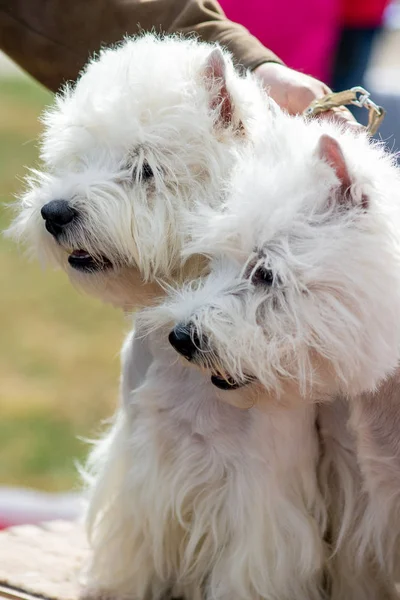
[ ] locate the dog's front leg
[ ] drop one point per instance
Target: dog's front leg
(375, 419)
(355, 571)
(121, 563)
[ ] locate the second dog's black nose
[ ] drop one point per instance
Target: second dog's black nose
(185, 341)
(57, 214)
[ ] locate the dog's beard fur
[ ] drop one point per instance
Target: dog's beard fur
(133, 152)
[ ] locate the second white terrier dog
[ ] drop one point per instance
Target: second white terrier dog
(194, 495)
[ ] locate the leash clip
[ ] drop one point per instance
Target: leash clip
(363, 99)
(357, 96)
(376, 113)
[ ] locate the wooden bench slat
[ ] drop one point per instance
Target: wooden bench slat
(42, 561)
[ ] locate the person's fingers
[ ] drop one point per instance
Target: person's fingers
(344, 117)
(294, 92)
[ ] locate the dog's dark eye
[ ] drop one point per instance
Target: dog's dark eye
(262, 276)
(147, 171)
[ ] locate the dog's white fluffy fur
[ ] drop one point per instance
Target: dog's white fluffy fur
(303, 297)
(190, 493)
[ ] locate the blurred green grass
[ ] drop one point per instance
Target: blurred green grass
(59, 350)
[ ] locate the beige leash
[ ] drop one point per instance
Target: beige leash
(357, 96)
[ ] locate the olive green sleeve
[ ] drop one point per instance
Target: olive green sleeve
(52, 39)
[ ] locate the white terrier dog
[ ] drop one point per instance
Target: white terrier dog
(191, 494)
(151, 130)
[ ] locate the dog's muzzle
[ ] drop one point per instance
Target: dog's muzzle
(186, 341)
(58, 216)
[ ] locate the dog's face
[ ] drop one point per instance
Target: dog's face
(143, 136)
(305, 293)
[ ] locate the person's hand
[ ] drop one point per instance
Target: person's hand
(294, 92)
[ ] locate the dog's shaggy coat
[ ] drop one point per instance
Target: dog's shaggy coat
(301, 304)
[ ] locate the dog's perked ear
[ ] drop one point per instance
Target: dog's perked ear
(329, 151)
(215, 79)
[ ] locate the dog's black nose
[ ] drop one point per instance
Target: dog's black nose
(185, 341)
(57, 214)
